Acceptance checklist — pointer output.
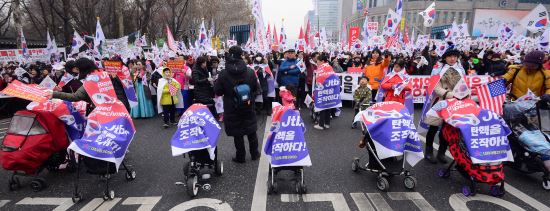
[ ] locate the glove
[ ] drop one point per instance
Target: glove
(545, 98)
(210, 79)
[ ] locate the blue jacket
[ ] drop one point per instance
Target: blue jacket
(289, 76)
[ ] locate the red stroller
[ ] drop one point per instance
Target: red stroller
(35, 141)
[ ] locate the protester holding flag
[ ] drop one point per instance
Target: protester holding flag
(204, 89)
(451, 73)
(376, 69)
(393, 81)
(289, 72)
(530, 76)
(326, 92)
(239, 86)
(168, 97)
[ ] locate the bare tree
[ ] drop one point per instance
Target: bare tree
(5, 16)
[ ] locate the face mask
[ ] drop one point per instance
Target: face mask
(258, 59)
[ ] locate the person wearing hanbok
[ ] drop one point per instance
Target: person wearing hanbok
(144, 109)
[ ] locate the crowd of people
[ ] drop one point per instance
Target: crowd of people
(210, 77)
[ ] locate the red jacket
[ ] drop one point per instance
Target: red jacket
(388, 87)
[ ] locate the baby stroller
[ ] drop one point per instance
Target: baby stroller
(297, 165)
(101, 168)
(529, 140)
(35, 140)
(363, 105)
(384, 168)
(195, 177)
(491, 173)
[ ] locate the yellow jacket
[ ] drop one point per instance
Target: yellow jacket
(166, 98)
(538, 81)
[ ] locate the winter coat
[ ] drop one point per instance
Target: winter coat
(361, 94)
(376, 72)
(496, 68)
(444, 89)
(239, 121)
(204, 91)
(537, 81)
(166, 98)
(289, 76)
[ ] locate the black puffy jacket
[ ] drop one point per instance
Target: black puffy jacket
(204, 91)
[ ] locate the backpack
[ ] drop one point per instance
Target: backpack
(243, 95)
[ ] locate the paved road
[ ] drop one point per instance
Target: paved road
(331, 183)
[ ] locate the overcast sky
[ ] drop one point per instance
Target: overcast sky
(293, 12)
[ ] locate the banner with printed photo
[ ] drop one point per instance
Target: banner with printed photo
(110, 129)
(487, 22)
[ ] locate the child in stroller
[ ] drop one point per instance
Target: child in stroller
(530, 139)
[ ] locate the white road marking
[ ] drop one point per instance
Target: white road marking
(99, 204)
(62, 203)
(3, 203)
(458, 202)
(95, 203)
(379, 202)
(204, 202)
(290, 198)
(147, 203)
(415, 197)
(259, 199)
(510, 189)
(337, 199)
(361, 201)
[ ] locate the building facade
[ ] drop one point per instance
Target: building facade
(461, 11)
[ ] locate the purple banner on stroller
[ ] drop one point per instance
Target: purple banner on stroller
(286, 144)
(392, 131)
(197, 129)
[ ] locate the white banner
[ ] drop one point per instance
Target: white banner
(349, 82)
(36, 54)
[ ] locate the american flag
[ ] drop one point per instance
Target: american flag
(491, 96)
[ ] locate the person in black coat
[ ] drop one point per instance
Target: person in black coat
(239, 120)
(204, 91)
(495, 66)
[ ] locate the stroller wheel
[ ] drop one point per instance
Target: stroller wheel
(192, 187)
(382, 184)
(497, 191)
(13, 183)
(443, 173)
(186, 168)
(76, 198)
(109, 195)
(355, 165)
(409, 182)
(300, 188)
(219, 168)
(546, 184)
(38, 184)
(130, 175)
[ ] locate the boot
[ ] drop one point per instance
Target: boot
(441, 156)
(429, 155)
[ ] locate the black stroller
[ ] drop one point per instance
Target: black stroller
(529, 120)
(101, 168)
(381, 167)
(195, 177)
